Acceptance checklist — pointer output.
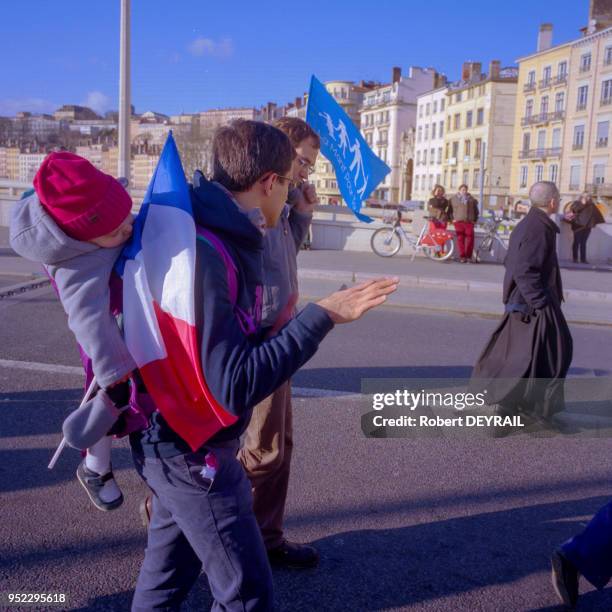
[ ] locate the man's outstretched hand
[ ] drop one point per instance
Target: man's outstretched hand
(350, 304)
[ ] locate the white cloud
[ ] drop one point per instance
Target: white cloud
(97, 101)
(11, 106)
(215, 48)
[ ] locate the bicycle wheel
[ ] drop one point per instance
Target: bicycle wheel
(440, 252)
(386, 242)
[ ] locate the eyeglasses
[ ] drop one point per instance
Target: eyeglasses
(304, 163)
(289, 180)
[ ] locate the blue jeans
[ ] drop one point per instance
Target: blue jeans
(591, 551)
(198, 523)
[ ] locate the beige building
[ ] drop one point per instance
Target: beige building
(480, 115)
(564, 111)
(222, 116)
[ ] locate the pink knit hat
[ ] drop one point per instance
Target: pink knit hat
(85, 202)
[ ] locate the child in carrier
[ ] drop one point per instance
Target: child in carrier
(75, 223)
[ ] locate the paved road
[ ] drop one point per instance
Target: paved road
(423, 525)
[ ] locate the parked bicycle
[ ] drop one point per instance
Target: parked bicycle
(435, 243)
(492, 242)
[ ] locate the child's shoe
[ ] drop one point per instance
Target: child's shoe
(95, 484)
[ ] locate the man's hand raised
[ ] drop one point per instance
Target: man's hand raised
(351, 304)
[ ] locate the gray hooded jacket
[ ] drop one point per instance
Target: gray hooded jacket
(81, 272)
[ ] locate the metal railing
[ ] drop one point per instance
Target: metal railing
(540, 153)
(530, 86)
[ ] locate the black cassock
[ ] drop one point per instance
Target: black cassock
(524, 363)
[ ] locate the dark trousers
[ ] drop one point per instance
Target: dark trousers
(579, 245)
(465, 238)
(591, 551)
(198, 523)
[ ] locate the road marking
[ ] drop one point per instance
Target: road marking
(298, 392)
(52, 368)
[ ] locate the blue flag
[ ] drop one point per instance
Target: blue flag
(358, 169)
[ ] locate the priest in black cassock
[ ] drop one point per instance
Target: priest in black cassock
(524, 363)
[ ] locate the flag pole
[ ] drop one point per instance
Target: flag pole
(125, 105)
(62, 444)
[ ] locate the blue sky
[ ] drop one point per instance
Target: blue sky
(190, 55)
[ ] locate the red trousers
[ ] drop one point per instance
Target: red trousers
(465, 238)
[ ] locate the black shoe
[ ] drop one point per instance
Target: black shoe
(146, 510)
(93, 483)
(565, 579)
(296, 556)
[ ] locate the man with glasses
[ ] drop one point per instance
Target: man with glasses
(266, 454)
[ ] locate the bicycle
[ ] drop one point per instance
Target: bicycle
(436, 244)
(492, 237)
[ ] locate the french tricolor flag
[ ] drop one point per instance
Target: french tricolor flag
(158, 271)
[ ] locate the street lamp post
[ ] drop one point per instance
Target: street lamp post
(125, 107)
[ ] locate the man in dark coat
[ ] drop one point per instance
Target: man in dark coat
(585, 216)
(524, 364)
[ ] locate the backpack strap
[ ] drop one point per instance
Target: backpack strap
(249, 322)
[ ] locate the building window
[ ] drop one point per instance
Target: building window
(471, 93)
(467, 148)
(421, 110)
(453, 182)
(606, 92)
(599, 171)
(430, 182)
(526, 141)
(441, 129)
(524, 175)
(458, 97)
(560, 102)
(425, 157)
(608, 56)
(427, 132)
(556, 138)
(529, 108)
(541, 141)
(544, 105)
(442, 104)
(418, 158)
(578, 142)
(539, 172)
(546, 75)
(456, 149)
(427, 109)
(433, 131)
(583, 96)
(585, 62)
(562, 71)
(445, 178)
(432, 153)
(469, 118)
(478, 151)
(437, 179)
(575, 172)
(419, 133)
(466, 177)
(457, 123)
(602, 133)
(435, 107)
(446, 155)
(480, 116)
(416, 182)
(476, 179)
(553, 173)
(448, 124)
(531, 79)
(439, 160)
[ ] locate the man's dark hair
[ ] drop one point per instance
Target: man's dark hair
(297, 130)
(244, 151)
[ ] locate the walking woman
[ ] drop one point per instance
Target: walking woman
(440, 208)
(465, 214)
(583, 217)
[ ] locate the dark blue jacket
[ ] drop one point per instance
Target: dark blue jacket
(240, 371)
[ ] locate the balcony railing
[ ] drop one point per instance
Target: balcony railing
(541, 153)
(574, 187)
(545, 83)
(535, 119)
(530, 86)
(581, 106)
(585, 68)
(578, 146)
(382, 143)
(560, 79)
(606, 101)
(556, 115)
(601, 143)
(608, 61)
(600, 189)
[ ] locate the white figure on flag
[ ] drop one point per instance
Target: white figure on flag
(344, 139)
(330, 124)
(357, 163)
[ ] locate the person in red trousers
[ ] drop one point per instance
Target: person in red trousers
(465, 214)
